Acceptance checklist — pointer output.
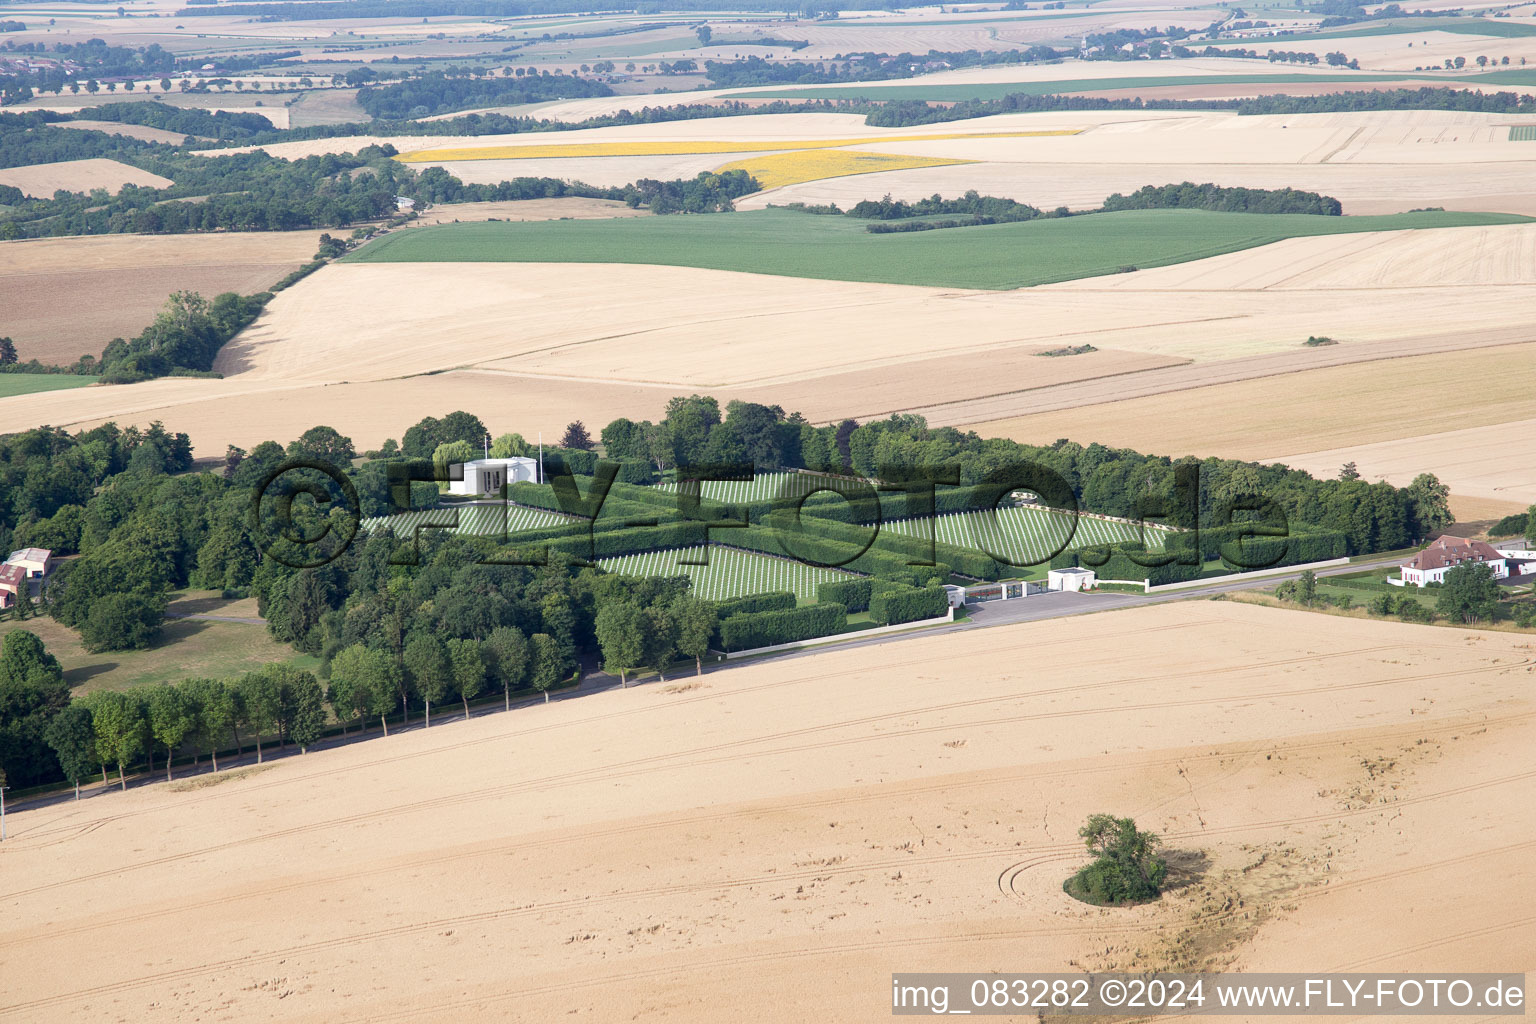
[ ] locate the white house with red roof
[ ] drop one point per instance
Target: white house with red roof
(1446, 553)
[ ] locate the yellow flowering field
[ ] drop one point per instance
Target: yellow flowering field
(684, 147)
(776, 169)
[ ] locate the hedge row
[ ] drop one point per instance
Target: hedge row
(851, 594)
(772, 601)
(765, 629)
(909, 604)
(1125, 562)
(1230, 544)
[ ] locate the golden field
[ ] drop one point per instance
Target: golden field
(758, 837)
(777, 169)
(41, 181)
(532, 151)
(369, 348)
(1199, 358)
(126, 280)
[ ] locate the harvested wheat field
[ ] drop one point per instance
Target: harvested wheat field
(1318, 410)
(567, 208)
(41, 181)
(786, 835)
(958, 357)
(132, 131)
(1491, 464)
(65, 297)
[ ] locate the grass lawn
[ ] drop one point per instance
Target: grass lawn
(997, 90)
(994, 256)
(187, 648)
(30, 383)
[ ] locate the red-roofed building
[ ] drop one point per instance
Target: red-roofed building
(12, 579)
(1431, 564)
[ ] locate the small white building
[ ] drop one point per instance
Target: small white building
(36, 561)
(1519, 559)
(1446, 553)
(1070, 579)
(487, 476)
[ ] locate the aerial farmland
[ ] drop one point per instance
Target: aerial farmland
(522, 511)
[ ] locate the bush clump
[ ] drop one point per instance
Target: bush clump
(1126, 868)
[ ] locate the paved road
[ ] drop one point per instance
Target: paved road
(1058, 604)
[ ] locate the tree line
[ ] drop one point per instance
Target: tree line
(440, 93)
(258, 192)
(144, 527)
(1112, 481)
(863, 67)
(908, 113)
(895, 215)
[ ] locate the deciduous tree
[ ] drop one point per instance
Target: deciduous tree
(507, 651)
(427, 663)
(74, 743)
(171, 719)
(118, 727)
(1470, 592)
(468, 670)
(215, 708)
(548, 663)
(695, 621)
(619, 626)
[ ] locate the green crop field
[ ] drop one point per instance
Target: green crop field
(730, 572)
(1522, 133)
(997, 90)
(994, 256)
(481, 520)
(31, 383)
(1024, 536)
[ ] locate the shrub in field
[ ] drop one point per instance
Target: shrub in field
(1126, 867)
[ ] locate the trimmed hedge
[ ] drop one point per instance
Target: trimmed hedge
(851, 594)
(908, 605)
(774, 600)
(579, 462)
(765, 629)
(636, 472)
